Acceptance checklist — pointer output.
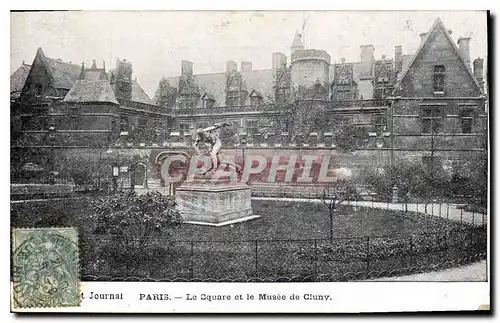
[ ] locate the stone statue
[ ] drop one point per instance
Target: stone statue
(210, 137)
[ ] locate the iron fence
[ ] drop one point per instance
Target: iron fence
(338, 259)
(42, 179)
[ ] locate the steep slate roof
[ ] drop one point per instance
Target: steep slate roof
(260, 81)
(139, 95)
(438, 23)
(297, 40)
(63, 74)
(18, 78)
(215, 83)
(85, 91)
(355, 68)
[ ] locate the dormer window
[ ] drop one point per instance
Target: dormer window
(185, 102)
(232, 98)
(282, 95)
(439, 73)
(38, 89)
(255, 99)
(383, 79)
(208, 102)
(343, 80)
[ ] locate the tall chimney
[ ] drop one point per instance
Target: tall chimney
(186, 69)
(422, 37)
(279, 62)
(246, 66)
(478, 72)
(464, 50)
(231, 67)
(398, 59)
(366, 56)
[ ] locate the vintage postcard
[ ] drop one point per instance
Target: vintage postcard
(249, 161)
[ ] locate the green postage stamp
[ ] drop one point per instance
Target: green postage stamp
(45, 267)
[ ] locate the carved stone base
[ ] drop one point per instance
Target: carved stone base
(205, 202)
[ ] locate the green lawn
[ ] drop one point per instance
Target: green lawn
(308, 220)
(215, 256)
(279, 220)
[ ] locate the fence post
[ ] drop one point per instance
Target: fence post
(473, 216)
(440, 205)
(192, 260)
(256, 258)
(417, 206)
(461, 214)
(447, 210)
(447, 238)
(482, 219)
(411, 249)
(316, 253)
(367, 254)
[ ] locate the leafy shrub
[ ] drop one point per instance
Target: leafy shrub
(132, 225)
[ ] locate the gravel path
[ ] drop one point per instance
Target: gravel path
(474, 272)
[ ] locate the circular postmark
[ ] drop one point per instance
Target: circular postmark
(46, 271)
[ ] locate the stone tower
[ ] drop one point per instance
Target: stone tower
(122, 80)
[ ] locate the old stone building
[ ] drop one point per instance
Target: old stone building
(438, 110)
(425, 106)
(79, 103)
(57, 105)
(371, 95)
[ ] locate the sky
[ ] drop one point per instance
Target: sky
(157, 41)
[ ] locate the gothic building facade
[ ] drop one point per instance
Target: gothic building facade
(422, 105)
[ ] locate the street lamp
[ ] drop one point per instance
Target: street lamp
(379, 142)
(52, 132)
(116, 173)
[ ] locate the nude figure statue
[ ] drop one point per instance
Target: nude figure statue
(210, 137)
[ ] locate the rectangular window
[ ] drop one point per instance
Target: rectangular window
(467, 120)
(208, 103)
(74, 124)
(254, 101)
(380, 124)
(124, 124)
(183, 104)
(282, 95)
(183, 129)
(431, 120)
(38, 89)
(252, 126)
(439, 72)
(142, 124)
(232, 98)
(113, 126)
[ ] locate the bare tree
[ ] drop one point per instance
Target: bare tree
(333, 194)
(301, 113)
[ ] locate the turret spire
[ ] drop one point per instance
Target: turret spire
(297, 42)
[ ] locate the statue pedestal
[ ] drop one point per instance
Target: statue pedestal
(214, 203)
